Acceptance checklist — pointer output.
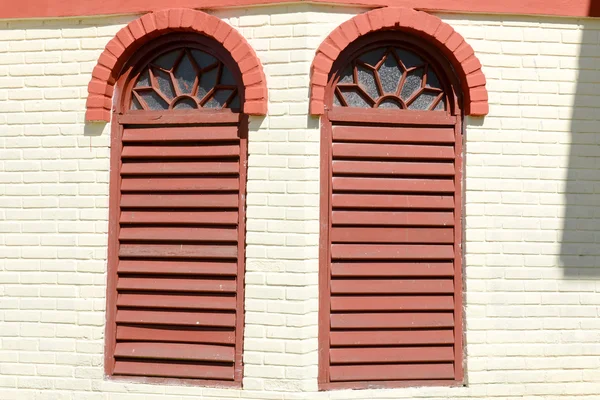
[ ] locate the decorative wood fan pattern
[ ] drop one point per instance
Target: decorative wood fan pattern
(390, 77)
(185, 79)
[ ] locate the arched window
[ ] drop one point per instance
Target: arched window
(390, 273)
(178, 177)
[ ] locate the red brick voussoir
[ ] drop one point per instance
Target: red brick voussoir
(419, 23)
(151, 25)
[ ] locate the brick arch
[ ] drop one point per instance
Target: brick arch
(418, 23)
(142, 30)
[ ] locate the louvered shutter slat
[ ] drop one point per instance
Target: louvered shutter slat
(173, 370)
(176, 267)
(180, 200)
(169, 335)
(177, 301)
(178, 251)
(179, 217)
(391, 269)
(345, 373)
(391, 338)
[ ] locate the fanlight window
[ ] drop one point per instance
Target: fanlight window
(185, 79)
(389, 77)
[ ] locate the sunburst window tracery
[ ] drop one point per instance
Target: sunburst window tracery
(389, 77)
(185, 79)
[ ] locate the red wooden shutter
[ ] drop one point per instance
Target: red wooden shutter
(180, 248)
(392, 298)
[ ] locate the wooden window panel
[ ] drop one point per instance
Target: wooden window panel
(177, 223)
(391, 223)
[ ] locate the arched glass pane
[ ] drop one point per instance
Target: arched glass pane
(185, 103)
(390, 74)
(389, 77)
(185, 72)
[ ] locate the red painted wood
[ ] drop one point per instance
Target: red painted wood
(378, 355)
(174, 334)
(374, 185)
(391, 338)
(391, 269)
(176, 284)
(392, 372)
(383, 116)
(43, 9)
(180, 235)
(179, 217)
(149, 267)
(391, 201)
(393, 134)
(180, 168)
(391, 303)
(391, 286)
(149, 200)
(392, 168)
(398, 218)
(391, 252)
(391, 235)
(174, 370)
(179, 152)
(179, 184)
(181, 134)
(390, 227)
(392, 151)
(175, 351)
(458, 254)
(176, 301)
(170, 318)
(177, 251)
(392, 320)
(203, 116)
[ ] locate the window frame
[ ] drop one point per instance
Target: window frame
(122, 115)
(451, 86)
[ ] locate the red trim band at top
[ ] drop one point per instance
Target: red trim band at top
(70, 8)
(140, 31)
(426, 26)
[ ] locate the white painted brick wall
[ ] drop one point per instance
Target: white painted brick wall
(532, 215)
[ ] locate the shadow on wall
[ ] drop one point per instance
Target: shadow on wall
(580, 242)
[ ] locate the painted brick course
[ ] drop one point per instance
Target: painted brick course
(531, 251)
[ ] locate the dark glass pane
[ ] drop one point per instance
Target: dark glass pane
(413, 82)
(219, 98)
(408, 58)
(432, 80)
(185, 103)
(423, 102)
(441, 106)
(153, 100)
(143, 80)
(227, 77)
(372, 57)
(235, 103)
(336, 100)
(135, 104)
(354, 98)
(390, 74)
(208, 80)
(167, 61)
(390, 103)
(165, 84)
(203, 59)
(366, 79)
(347, 76)
(185, 75)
